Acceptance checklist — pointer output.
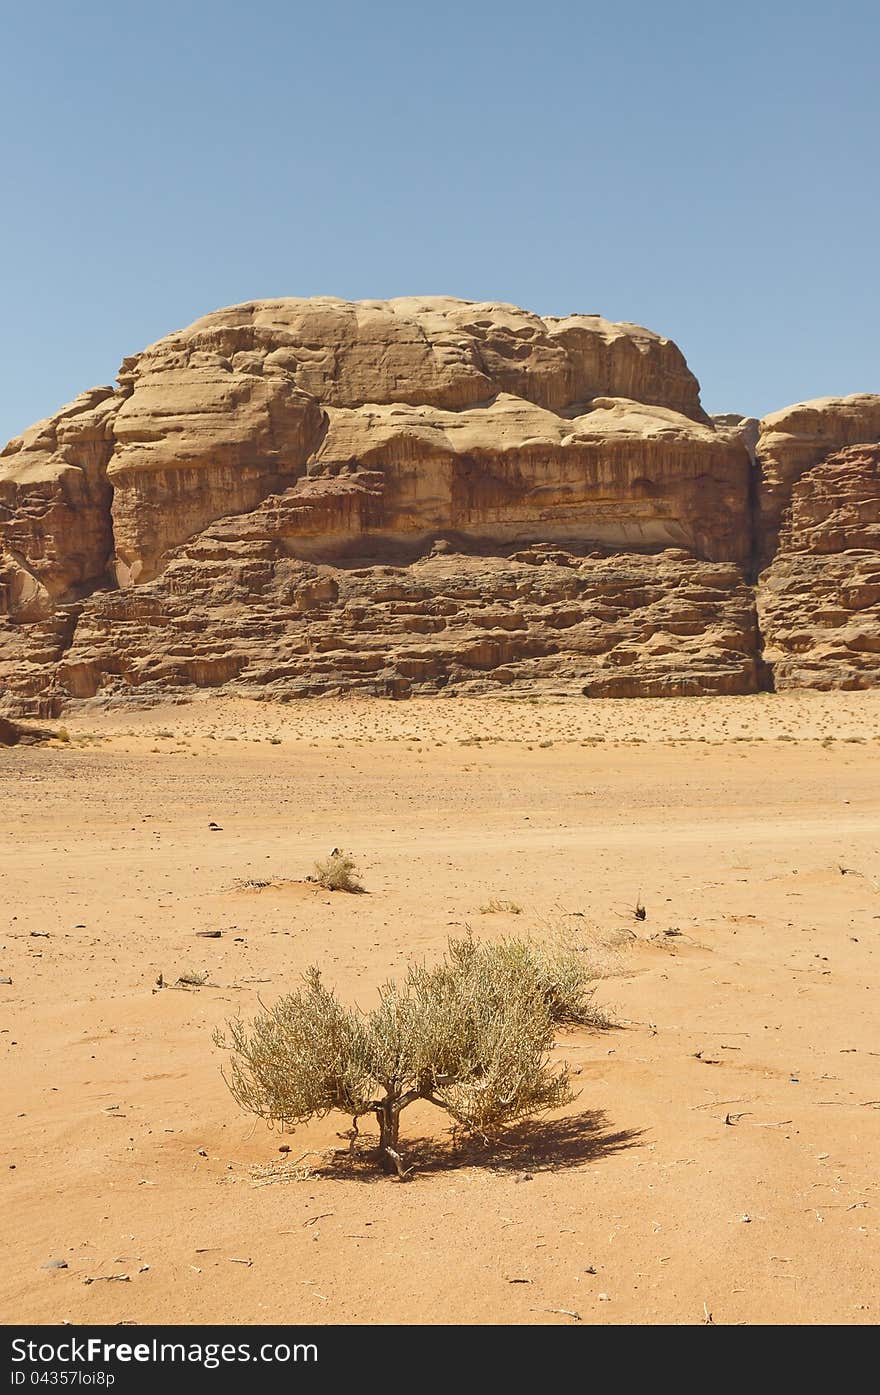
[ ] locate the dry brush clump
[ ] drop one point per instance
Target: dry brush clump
(472, 1035)
(338, 873)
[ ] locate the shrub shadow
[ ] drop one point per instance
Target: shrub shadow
(534, 1146)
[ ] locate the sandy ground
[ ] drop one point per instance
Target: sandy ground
(721, 1158)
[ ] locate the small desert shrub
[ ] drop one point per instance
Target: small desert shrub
(338, 873)
(194, 978)
(564, 977)
(471, 1035)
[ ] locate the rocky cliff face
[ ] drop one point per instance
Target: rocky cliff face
(55, 526)
(819, 601)
(238, 610)
(797, 438)
(480, 418)
(303, 496)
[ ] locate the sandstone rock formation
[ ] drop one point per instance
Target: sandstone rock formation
(55, 525)
(230, 611)
(480, 418)
(12, 733)
(819, 601)
(301, 496)
(796, 439)
(9, 733)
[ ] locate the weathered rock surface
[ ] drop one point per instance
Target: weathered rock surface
(796, 439)
(13, 734)
(10, 734)
(56, 534)
(239, 612)
(819, 601)
(442, 352)
(301, 496)
(480, 417)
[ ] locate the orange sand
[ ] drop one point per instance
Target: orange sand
(749, 825)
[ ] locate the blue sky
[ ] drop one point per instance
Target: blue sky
(708, 170)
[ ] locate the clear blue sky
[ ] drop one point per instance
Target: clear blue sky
(709, 170)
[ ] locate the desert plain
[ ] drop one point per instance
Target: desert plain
(719, 1162)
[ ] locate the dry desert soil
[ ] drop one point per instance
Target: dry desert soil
(720, 1160)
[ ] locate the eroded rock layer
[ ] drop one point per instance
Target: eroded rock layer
(56, 533)
(254, 619)
(797, 438)
(9, 733)
(301, 496)
(819, 601)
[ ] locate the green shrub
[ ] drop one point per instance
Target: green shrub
(471, 1035)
